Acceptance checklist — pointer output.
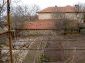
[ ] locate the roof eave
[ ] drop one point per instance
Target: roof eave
(56, 12)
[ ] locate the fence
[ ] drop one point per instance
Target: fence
(41, 45)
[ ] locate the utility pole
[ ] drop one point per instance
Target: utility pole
(9, 31)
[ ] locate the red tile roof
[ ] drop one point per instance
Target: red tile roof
(58, 9)
(41, 24)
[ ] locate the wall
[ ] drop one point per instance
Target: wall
(71, 16)
(45, 16)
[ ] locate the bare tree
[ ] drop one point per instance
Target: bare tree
(65, 23)
(20, 14)
(2, 9)
(80, 9)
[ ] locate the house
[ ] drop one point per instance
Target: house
(67, 12)
(56, 14)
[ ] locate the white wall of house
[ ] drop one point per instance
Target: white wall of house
(71, 16)
(75, 16)
(58, 15)
(45, 16)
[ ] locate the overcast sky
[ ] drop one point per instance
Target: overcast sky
(46, 3)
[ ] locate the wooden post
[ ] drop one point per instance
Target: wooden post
(9, 30)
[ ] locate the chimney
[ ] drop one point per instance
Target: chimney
(56, 6)
(77, 7)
